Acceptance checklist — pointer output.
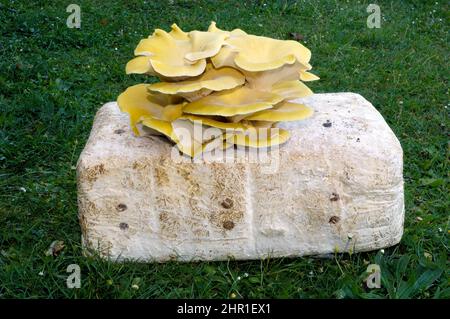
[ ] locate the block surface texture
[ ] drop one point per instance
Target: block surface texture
(338, 187)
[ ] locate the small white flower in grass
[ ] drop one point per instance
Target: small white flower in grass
(41, 273)
(440, 229)
(246, 275)
(23, 189)
(239, 278)
(135, 287)
(115, 49)
(382, 251)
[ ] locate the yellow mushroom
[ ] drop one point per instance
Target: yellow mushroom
(236, 99)
(257, 138)
(282, 81)
(142, 65)
(192, 139)
(256, 53)
(264, 80)
(291, 90)
(175, 54)
(236, 32)
(306, 76)
(282, 112)
(241, 100)
(212, 80)
(204, 44)
(177, 33)
(204, 120)
(138, 102)
(225, 58)
(163, 127)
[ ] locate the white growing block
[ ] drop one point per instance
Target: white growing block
(338, 187)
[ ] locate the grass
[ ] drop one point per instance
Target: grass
(53, 79)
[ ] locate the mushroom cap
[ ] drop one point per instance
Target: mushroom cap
(282, 81)
(240, 100)
(205, 44)
(258, 138)
(161, 126)
(204, 120)
(138, 102)
(256, 53)
(264, 80)
(225, 57)
(307, 77)
(291, 90)
(212, 80)
(196, 95)
(282, 112)
(236, 32)
(177, 53)
(192, 139)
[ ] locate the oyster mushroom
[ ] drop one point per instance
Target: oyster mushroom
(258, 138)
(138, 102)
(255, 53)
(194, 88)
(175, 54)
(241, 100)
(283, 112)
(218, 88)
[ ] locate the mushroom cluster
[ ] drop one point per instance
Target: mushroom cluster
(235, 85)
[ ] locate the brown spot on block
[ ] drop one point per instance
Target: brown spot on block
(162, 179)
(334, 220)
(227, 203)
(121, 207)
(334, 197)
(327, 124)
(169, 225)
(92, 173)
(119, 131)
(123, 226)
(140, 165)
(228, 224)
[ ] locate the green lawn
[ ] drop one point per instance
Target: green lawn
(53, 79)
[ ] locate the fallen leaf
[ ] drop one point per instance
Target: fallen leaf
(296, 36)
(55, 248)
